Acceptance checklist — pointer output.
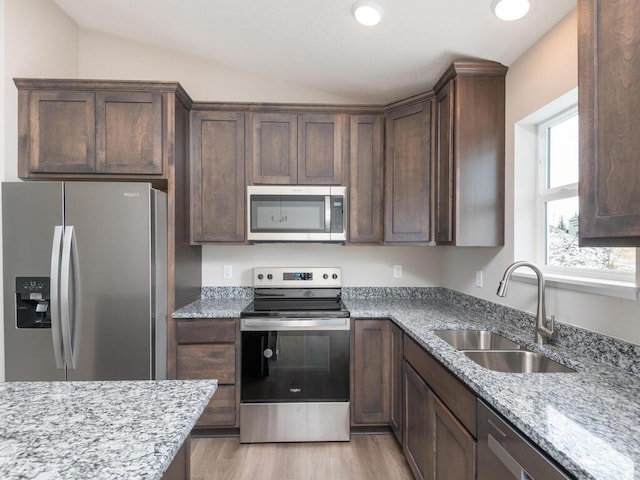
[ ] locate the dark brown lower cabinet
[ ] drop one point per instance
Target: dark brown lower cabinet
(436, 444)
(416, 422)
(452, 447)
(209, 348)
(395, 409)
(371, 372)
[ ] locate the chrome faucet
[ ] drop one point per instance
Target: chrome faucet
(544, 334)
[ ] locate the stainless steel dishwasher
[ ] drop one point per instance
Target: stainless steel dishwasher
(504, 454)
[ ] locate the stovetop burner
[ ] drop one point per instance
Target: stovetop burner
(297, 293)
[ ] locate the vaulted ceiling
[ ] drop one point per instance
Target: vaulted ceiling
(318, 44)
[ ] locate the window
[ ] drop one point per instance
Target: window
(557, 215)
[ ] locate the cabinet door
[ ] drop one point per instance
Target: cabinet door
(206, 361)
(395, 409)
(408, 175)
(609, 100)
(365, 179)
(320, 146)
(415, 422)
(274, 148)
(444, 164)
(371, 372)
(221, 410)
(57, 132)
(452, 450)
(217, 177)
(129, 133)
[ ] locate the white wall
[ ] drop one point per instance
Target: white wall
(41, 41)
(361, 266)
(108, 57)
(38, 40)
(544, 73)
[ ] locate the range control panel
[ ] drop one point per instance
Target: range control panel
(297, 277)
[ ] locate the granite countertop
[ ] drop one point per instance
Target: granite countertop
(213, 308)
(588, 421)
(97, 430)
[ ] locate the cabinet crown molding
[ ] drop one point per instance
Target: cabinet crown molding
(471, 67)
(105, 85)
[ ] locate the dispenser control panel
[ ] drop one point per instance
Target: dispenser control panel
(32, 302)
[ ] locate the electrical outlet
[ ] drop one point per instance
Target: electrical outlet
(397, 271)
(479, 278)
(227, 271)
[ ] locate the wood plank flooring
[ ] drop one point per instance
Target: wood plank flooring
(367, 457)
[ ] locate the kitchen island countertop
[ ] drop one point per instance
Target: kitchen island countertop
(97, 430)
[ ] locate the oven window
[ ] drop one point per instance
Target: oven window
(288, 213)
(295, 366)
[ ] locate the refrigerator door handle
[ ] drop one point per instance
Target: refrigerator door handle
(56, 331)
(68, 295)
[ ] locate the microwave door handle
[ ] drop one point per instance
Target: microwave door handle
(327, 213)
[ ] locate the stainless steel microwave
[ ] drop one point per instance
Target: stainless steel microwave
(289, 213)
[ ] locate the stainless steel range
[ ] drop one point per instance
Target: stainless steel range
(295, 357)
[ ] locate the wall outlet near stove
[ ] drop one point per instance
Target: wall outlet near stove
(397, 271)
(227, 271)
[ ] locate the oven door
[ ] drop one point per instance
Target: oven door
(285, 360)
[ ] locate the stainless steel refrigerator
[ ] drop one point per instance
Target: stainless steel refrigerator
(84, 281)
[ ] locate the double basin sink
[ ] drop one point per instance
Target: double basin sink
(495, 352)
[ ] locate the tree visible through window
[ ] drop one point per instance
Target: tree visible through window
(558, 204)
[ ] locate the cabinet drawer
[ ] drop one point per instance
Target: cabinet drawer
(198, 362)
(460, 400)
(221, 410)
(207, 331)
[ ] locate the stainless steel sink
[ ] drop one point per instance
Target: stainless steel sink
(516, 361)
(476, 340)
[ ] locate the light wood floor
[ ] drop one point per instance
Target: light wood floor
(367, 457)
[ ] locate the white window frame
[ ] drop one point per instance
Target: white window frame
(544, 194)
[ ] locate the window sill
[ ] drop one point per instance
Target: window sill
(610, 288)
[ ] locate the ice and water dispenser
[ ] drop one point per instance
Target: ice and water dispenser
(32, 302)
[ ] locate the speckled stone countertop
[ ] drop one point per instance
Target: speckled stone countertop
(97, 430)
(213, 308)
(588, 421)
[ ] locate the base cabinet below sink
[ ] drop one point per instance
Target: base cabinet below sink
(437, 442)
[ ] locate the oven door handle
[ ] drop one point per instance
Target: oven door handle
(279, 324)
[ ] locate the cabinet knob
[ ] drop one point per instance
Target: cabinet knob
(268, 353)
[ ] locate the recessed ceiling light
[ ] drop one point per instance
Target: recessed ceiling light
(367, 13)
(509, 10)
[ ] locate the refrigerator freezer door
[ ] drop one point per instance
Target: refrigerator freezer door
(112, 329)
(30, 212)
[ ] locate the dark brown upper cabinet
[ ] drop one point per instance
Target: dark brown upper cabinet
(80, 128)
(365, 179)
(274, 148)
(407, 172)
(217, 176)
(297, 148)
(469, 154)
(129, 133)
(609, 107)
